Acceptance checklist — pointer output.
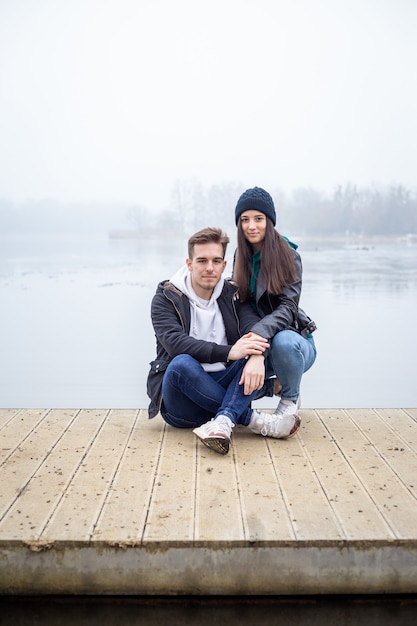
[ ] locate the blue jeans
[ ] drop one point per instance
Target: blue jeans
(289, 357)
(192, 396)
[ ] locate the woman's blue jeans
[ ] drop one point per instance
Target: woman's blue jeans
(290, 356)
(192, 396)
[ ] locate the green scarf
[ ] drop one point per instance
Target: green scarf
(255, 266)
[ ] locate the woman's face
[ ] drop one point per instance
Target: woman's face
(254, 227)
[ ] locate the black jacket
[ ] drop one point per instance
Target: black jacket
(280, 312)
(170, 312)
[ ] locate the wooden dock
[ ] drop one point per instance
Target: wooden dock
(109, 502)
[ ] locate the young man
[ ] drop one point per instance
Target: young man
(209, 366)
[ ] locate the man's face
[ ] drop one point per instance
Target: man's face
(206, 268)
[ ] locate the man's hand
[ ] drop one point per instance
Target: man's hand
(249, 344)
(253, 375)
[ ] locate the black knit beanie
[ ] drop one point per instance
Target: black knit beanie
(256, 199)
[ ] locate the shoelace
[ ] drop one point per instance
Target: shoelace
(271, 425)
(266, 426)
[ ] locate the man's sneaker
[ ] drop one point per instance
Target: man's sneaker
(216, 434)
(273, 425)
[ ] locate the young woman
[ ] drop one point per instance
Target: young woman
(268, 273)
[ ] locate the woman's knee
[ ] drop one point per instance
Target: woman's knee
(286, 340)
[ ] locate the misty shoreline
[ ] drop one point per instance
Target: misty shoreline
(159, 234)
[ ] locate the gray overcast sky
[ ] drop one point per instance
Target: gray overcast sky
(113, 100)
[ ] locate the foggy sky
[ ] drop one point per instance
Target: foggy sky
(111, 100)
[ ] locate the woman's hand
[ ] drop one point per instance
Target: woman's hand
(248, 345)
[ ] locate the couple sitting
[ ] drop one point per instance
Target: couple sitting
(222, 344)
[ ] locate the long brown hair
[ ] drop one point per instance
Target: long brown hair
(276, 260)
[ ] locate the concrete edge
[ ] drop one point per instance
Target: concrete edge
(103, 569)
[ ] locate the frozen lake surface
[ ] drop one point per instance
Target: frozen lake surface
(75, 328)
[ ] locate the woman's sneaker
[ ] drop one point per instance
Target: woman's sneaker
(288, 407)
(272, 425)
(216, 434)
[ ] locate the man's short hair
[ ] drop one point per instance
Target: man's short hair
(208, 235)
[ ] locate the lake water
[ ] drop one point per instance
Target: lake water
(75, 328)
(207, 611)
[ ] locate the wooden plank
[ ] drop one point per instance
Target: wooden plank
(264, 510)
(394, 434)
(403, 423)
(351, 503)
(356, 438)
(29, 513)
(6, 415)
(39, 432)
(125, 511)
(15, 430)
(312, 515)
(172, 506)
(218, 512)
(80, 506)
(411, 412)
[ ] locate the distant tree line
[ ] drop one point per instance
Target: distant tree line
(353, 210)
(347, 210)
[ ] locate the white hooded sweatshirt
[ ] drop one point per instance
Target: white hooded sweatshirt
(206, 319)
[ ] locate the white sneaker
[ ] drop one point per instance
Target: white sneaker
(216, 433)
(273, 425)
(287, 407)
